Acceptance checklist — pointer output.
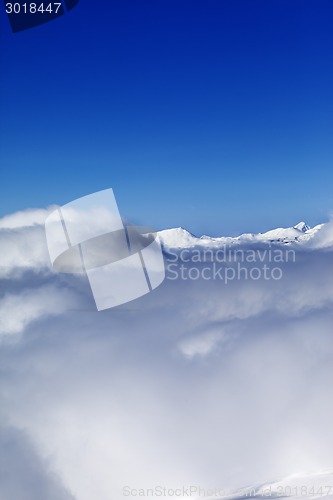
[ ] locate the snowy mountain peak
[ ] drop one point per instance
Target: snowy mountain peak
(181, 238)
(177, 238)
(302, 226)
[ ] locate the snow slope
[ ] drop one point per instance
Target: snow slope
(181, 238)
(296, 486)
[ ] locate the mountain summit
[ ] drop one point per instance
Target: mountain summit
(302, 226)
(181, 238)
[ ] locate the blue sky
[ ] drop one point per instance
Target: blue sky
(214, 115)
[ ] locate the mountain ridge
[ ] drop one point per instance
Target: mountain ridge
(182, 238)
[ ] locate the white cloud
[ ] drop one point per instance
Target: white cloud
(110, 399)
(21, 250)
(25, 218)
(23, 475)
(202, 344)
(18, 310)
(324, 237)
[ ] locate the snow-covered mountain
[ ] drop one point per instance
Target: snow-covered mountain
(181, 238)
(303, 485)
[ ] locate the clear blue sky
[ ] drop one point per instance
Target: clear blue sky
(211, 114)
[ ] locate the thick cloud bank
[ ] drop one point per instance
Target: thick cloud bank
(198, 383)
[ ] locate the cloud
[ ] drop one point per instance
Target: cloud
(25, 218)
(324, 237)
(21, 250)
(18, 310)
(24, 475)
(198, 382)
(203, 344)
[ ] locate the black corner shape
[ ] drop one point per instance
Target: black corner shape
(26, 14)
(70, 4)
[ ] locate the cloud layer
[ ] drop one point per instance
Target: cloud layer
(197, 383)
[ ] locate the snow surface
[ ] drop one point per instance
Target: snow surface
(181, 238)
(307, 485)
